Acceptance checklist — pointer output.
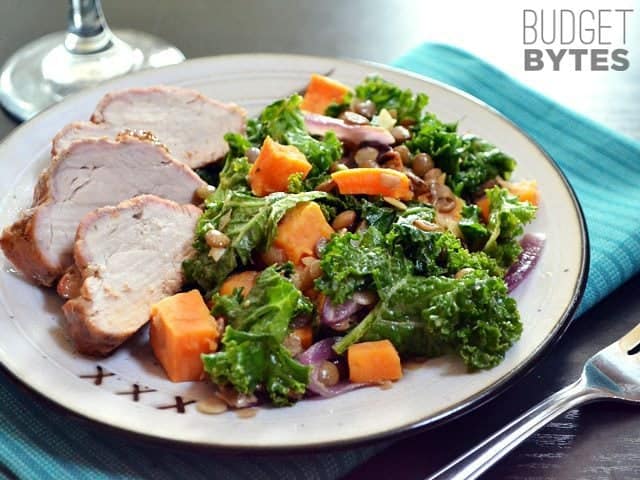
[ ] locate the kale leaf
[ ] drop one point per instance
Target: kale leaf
(440, 253)
(252, 355)
(506, 223)
(257, 360)
(355, 262)
(407, 106)
(268, 308)
(474, 230)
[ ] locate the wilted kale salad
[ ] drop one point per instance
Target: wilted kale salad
(351, 229)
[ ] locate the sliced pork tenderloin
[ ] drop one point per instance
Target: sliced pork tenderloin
(191, 125)
(127, 258)
(80, 131)
(88, 175)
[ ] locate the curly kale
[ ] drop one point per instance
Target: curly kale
(252, 356)
(498, 238)
(267, 308)
(251, 361)
(407, 106)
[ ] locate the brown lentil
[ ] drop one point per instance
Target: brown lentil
(216, 239)
(433, 176)
(366, 108)
(252, 154)
(204, 191)
(353, 118)
(422, 163)
(344, 219)
(328, 374)
(326, 186)
(292, 344)
(391, 159)
(445, 204)
(246, 412)
(405, 154)
(212, 406)
(366, 157)
(315, 269)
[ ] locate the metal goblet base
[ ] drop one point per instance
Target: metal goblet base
(24, 90)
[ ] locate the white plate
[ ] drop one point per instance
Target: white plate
(129, 391)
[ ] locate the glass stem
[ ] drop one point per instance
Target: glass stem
(87, 29)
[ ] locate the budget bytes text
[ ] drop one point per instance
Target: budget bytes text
(591, 40)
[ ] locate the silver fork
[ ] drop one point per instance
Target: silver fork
(613, 373)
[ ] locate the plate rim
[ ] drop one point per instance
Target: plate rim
(474, 401)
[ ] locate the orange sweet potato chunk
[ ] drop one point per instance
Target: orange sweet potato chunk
(300, 229)
(322, 92)
(373, 181)
(245, 280)
(182, 329)
(373, 362)
(275, 164)
(526, 191)
(305, 335)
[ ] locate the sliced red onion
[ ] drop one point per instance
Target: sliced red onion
(532, 244)
(319, 388)
(314, 356)
(320, 124)
(318, 352)
(331, 314)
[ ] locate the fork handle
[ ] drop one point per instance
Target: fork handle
(476, 461)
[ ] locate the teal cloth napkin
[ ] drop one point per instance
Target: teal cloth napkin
(604, 169)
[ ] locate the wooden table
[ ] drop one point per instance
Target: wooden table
(596, 441)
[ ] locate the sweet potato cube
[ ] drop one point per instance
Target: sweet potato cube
(273, 167)
(373, 362)
(300, 229)
(373, 181)
(526, 191)
(182, 328)
(245, 280)
(322, 92)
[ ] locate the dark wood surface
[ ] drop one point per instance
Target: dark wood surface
(593, 442)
